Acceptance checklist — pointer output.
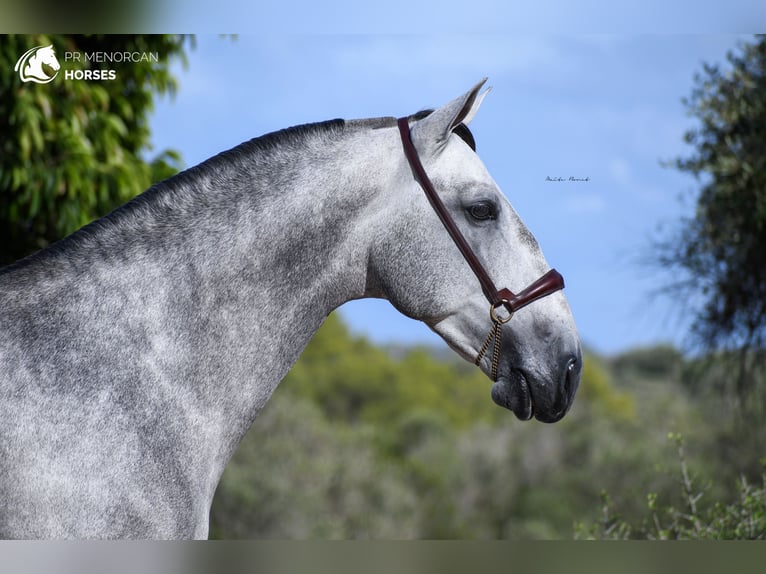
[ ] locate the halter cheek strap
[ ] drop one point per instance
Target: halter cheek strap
(549, 283)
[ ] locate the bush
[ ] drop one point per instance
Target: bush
(742, 519)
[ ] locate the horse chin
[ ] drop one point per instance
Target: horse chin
(512, 392)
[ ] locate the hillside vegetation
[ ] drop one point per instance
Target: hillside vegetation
(358, 442)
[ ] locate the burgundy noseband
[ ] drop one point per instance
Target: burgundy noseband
(549, 283)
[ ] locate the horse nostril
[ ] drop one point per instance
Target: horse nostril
(572, 377)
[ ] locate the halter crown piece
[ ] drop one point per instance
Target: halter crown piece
(546, 285)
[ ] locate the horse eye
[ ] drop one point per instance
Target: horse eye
(482, 210)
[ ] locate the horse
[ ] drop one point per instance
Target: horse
(30, 65)
(136, 352)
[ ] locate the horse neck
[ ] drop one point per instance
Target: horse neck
(235, 264)
(192, 302)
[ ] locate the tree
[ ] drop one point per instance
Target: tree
(72, 150)
(721, 250)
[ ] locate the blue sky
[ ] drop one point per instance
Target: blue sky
(603, 106)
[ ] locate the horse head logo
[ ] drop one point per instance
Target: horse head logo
(30, 65)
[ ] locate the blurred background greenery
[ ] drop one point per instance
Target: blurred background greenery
(362, 441)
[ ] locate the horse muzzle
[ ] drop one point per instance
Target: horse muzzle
(547, 401)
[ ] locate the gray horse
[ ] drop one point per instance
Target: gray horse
(136, 353)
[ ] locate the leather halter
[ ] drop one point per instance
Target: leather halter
(549, 283)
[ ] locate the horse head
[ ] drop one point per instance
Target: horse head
(47, 56)
(30, 65)
(417, 266)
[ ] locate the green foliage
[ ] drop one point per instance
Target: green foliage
(733, 379)
(721, 249)
(659, 362)
(742, 519)
(74, 150)
(359, 442)
(355, 381)
(299, 476)
(599, 392)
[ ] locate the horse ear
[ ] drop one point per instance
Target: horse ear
(431, 133)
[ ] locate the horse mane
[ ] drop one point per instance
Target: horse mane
(179, 189)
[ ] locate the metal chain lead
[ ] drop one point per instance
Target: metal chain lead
(496, 351)
(496, 333)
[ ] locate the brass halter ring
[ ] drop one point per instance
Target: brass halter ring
(493, 315)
